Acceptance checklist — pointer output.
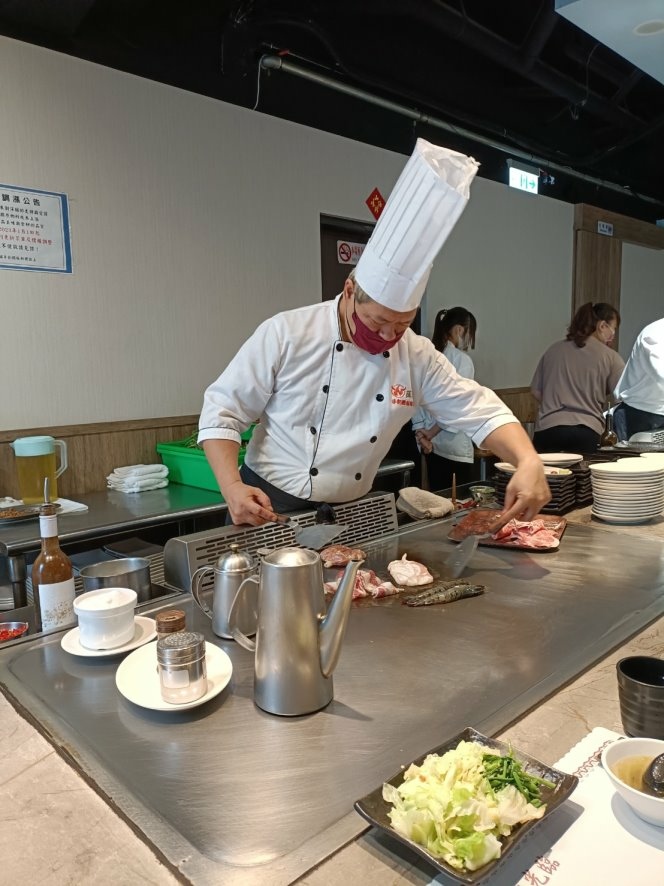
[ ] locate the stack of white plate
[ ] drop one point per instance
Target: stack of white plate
(630, 490)
(560, 459)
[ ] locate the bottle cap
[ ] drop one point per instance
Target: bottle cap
(170, 620)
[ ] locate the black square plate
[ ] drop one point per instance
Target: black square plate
(375, 809)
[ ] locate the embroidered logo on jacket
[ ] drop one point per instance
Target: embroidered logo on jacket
(401, 396)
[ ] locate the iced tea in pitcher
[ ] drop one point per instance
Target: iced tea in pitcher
(36, 461)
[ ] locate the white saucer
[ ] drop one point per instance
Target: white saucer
(138, 680)
(560, 459)
(145, 629)
(549, 470)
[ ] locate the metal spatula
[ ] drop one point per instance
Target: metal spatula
(318, 536)
(464, 552)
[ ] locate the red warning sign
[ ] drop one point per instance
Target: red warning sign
(376, 202)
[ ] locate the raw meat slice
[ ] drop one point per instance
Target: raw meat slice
(476, 523)
(340, 555)
(367, 584)
(409, 573)
(533, 534)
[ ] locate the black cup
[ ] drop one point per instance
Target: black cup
(641, 694)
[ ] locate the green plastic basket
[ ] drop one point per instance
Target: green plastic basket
(188, 465)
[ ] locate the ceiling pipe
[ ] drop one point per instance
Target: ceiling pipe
(455, 25)
(277, 63)
(538, 36)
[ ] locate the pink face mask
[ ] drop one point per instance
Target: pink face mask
(369, 340)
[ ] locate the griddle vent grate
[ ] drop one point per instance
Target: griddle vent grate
(366, 518)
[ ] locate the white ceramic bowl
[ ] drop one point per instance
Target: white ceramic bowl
(647, 807)
(105, 617)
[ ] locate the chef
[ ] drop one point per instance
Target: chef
(641, 386)
(331, 384)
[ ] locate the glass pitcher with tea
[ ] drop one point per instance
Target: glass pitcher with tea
(36, 461)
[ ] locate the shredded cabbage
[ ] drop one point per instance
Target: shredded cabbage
(448, 806)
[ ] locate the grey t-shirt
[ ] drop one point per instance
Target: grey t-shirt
(574, 384)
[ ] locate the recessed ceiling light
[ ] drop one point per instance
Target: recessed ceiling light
(647, 29)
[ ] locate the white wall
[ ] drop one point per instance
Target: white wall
(192, 220)
(641, 292)
(509, 261)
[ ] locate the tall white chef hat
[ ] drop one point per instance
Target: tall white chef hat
(425, 204)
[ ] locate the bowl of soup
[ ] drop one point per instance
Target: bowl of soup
(624, 762)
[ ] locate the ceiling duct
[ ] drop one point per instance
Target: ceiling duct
(62, 17)
(278, 63)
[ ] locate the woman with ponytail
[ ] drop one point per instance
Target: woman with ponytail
(574, 380)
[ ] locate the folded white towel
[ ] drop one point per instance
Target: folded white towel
(423, 505)
(131, 471)
(138, 478)
(140, 484)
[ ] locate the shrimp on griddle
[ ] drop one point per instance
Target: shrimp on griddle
(445, 592)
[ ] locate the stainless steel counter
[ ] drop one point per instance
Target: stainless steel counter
(231, 794)
(110, 511)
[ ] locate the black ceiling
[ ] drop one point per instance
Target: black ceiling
(499, 77)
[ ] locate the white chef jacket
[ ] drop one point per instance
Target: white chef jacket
(641, 384)
(328, 411)
(454, 445)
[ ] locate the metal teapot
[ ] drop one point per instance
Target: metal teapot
(230, 570)
(297, 645)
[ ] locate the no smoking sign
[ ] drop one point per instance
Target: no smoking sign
(349, 253)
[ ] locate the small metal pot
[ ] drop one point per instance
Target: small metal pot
(128, 572)
(230, 571)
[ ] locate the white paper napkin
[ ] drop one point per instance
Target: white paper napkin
(594, 838)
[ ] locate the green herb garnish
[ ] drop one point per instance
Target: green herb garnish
(501, 771)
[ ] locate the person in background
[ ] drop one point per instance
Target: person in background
(575, 379)
(448, 452)
(332, 383)
(641, 385)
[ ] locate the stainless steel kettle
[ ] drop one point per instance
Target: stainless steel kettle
(297, 645)
(230, 570)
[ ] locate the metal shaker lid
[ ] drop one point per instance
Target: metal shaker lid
(180, 648)
(235, 560)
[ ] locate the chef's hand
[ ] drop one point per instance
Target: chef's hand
(424, 438)
(248, 505)
(527, 492)
(423, 442)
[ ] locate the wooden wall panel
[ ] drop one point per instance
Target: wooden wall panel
(95, 450)
(598, 257)
(625, 229)
(597, 269)
(521, 402)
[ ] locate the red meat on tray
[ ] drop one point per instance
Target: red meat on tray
(542, 534)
